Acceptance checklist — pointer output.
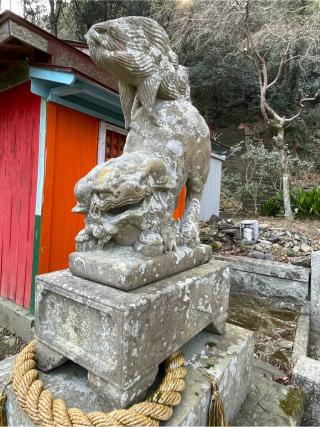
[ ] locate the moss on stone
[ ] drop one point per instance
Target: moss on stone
(293, 403)
(216, 246)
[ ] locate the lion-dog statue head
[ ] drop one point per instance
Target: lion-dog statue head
(116, 197)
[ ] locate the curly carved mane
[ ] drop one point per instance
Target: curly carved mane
(137, 51)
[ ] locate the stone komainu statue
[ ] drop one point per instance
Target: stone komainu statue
(131, 199)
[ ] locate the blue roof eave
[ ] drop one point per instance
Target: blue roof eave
(68, 89)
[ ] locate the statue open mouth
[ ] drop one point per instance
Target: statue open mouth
(122, 209)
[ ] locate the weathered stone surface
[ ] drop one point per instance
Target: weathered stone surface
(270, 404)
(285, 283)
(119, 336)
(314, 345)
(231, 355)
(124, 268)
(268, 286)
(315, 291)
(5, 370)
(16, 319)
(306, 374)
(301, 340)
(227, 359)
(268, 268)
(49, 358)
(311, 416)
(131, 199)
(267, 370)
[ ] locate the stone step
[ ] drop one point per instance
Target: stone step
(227, 358)
(270, 404)
(306, 374)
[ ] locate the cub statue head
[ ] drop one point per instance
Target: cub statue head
(116, 197)
(136, 50)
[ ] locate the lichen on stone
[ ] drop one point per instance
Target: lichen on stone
(293, 403)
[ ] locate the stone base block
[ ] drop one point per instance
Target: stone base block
(306, 374)
(228, 358)
(121, 337)
(124, 268)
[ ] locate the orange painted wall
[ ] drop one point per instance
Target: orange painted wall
(71, 151)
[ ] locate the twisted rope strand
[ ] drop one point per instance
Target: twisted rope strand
(43, 410)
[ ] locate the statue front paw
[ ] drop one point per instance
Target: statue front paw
(85, 242)
(83, 236)
(171, 245)
(189, 234)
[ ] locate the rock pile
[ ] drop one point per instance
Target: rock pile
(273, 244)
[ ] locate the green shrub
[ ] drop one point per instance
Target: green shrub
(273, 206)
(306, 203)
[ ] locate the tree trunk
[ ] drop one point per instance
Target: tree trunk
(55, 9)
(279, 139)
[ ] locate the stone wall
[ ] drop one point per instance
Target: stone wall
(285, 283)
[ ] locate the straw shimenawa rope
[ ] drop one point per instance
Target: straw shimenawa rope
(3, 417)
(216, 411)
(44, 410)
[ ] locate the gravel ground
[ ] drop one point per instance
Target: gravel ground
(10, 344)
(279, 239)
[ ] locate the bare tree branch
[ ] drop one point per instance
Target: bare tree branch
(280, 68)
(302, 106)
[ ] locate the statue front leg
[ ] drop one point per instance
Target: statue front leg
(158, 231)
(189, 228)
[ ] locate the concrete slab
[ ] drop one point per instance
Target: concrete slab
(270, 404)
(119, 336)
(124, 268)
(285, 284)
(314, 345)
(267, 268)
(301, 340)
(311, 416)
(259, 285)
(16, 319)
(315, 291)
(306, 374)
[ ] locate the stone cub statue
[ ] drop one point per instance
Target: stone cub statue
(137, 51)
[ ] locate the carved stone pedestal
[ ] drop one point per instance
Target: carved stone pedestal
(121, 337)
(124, 268)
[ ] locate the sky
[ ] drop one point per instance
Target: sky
(13, 5)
